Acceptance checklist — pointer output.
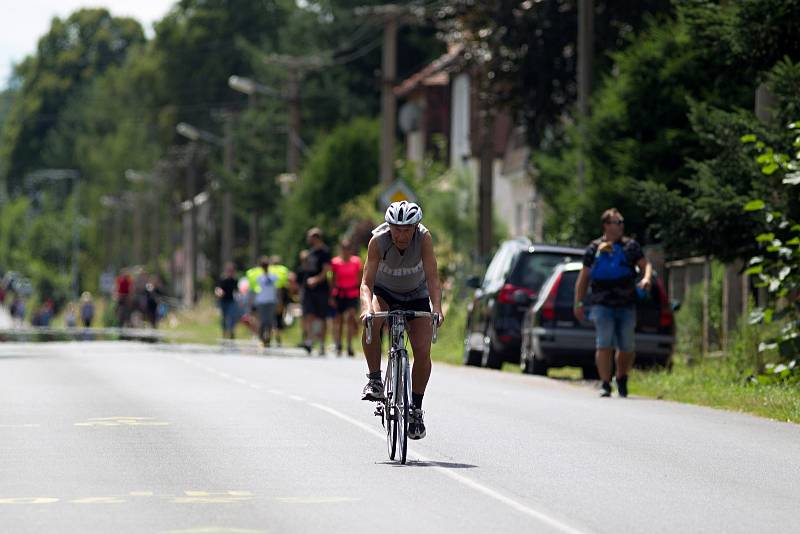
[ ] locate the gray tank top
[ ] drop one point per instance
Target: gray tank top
(401, 275)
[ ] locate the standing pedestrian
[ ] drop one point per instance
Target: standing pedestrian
(316, 290)
(346, 269)
(87, 309)
(610, 263)
(264, 296)
(152, 298)
(225, 291)
(282, 273)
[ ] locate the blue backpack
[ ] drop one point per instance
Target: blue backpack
(611, 265)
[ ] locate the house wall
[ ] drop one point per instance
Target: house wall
(460, 120)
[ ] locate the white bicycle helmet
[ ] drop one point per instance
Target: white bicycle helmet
(403, 212)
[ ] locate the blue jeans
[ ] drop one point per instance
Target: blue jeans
(230, 314)
(615, 327)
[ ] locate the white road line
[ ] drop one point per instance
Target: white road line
(540, 516)
(297, 398)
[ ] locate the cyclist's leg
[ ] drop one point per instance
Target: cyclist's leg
(420, 334)
(372, 351)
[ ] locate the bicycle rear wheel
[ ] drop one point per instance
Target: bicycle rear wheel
(402, 395)
(390, 411)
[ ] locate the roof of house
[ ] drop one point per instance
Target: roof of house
(434, 74)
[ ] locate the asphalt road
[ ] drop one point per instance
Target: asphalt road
(119, 438)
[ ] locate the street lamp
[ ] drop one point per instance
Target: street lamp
(251, 87)
(195, 134)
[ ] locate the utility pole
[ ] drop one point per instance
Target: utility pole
(226, 246)
(391, 16)
(585, 60)
(388, 101)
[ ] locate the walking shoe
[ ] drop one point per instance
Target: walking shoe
(373, 391)
(606, 389)
(307, 346)
(416, 426)
(350, 352)
(622, 386)
(338, 350)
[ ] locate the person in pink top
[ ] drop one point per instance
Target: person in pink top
(346, 269)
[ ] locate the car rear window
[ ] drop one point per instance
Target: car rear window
(533, 269)
(566, 293)
(566, 288)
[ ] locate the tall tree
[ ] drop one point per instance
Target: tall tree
(75, 51)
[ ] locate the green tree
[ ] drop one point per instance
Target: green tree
(73, 53)
(341, 166)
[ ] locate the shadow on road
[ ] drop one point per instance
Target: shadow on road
(445, 465)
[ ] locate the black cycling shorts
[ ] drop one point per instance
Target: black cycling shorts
(422, 305)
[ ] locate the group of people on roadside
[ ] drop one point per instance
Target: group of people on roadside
(325, 287)
(138, 297)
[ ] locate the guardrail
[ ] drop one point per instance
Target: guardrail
(39, 333)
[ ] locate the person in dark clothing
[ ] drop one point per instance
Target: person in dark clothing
(610, 264)
(226, 290)
(316, 291)
(152, 298)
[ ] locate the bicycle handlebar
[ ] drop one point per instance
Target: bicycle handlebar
(402, 313)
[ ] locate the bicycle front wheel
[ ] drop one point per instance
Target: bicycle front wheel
(390, 413)
(403, 395)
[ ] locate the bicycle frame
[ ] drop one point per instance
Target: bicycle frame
(397, 384)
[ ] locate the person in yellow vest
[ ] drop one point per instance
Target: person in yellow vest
(281, 272)
(253, 288)
(264, 295)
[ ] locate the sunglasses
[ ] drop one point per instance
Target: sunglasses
(616, 221)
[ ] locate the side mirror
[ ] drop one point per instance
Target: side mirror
(474, 282)
(675, 305)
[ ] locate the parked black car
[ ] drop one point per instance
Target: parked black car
(553, 337)
(512, 281)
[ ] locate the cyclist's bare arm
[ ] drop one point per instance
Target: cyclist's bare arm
(368, 278)
(432, 275)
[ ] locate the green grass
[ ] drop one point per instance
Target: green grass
(202, 324)
(715, 383)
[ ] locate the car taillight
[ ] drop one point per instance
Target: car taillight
(549, 306)
(507, 292)
(666, 318)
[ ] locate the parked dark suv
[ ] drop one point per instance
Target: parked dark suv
(512, 281)
(553, 337)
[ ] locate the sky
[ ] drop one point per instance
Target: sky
(22, 23)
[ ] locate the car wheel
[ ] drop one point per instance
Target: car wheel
(539, 367)
(489, 358)
(472, 357)
(590, 372)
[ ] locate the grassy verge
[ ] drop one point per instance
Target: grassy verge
(716, 383)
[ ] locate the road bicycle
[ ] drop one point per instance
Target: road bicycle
(394, 409)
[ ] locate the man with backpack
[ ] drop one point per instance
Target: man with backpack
(610, 264)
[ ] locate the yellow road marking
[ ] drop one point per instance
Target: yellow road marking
(29, 500)
(213, 497)
(122, 421)
(99, 500)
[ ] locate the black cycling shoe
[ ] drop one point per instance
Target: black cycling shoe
(416, 426)
(606, 389)
(622, 386)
